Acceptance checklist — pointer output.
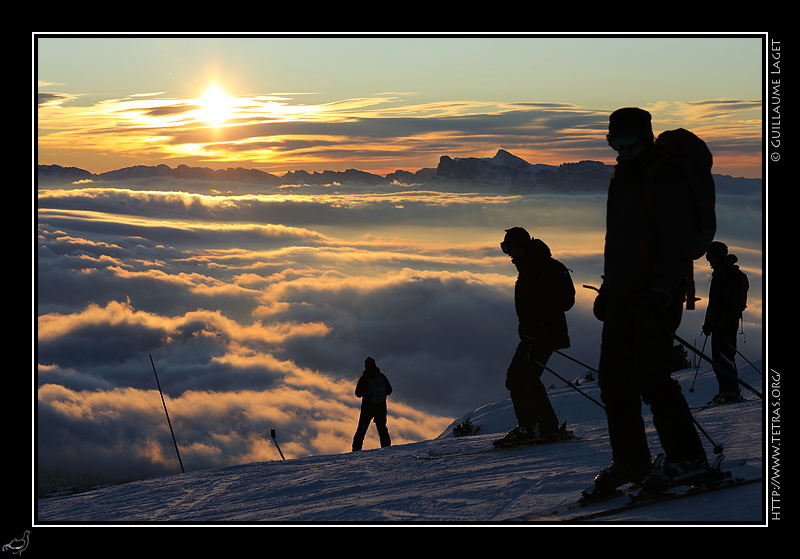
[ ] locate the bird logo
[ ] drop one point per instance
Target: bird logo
(18, 545)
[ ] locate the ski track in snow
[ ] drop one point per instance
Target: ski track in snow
(389, 485)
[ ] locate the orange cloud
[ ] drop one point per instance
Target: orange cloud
(379, 134)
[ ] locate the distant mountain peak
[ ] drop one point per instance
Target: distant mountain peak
(505, 158)
(503, 173)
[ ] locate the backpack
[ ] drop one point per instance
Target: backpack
(744, 286)
(563, 288)
(557, 278)
(690, 155)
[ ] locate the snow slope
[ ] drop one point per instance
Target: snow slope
(390, 485)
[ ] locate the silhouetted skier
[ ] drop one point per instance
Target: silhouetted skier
(727, 299)
(542, 294)
(649, 250)
(373, 387)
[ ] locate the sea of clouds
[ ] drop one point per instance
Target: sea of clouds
(259, 309)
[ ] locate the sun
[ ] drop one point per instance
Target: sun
(216, 106)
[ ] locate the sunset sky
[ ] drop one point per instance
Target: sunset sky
(380, 104)
(259, 305)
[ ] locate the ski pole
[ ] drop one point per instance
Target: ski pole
(718, 448)
(707, 358)
(743, 357)
(562, 354)
(568, 383)
(167, 413)
(698, 366)
(276, 444)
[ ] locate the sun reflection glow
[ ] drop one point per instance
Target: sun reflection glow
(216, 105)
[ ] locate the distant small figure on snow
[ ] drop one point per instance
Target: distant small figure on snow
(373, 387)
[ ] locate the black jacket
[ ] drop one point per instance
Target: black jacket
(649, 230)
(373, 387)
(727, 293)
(536, 295)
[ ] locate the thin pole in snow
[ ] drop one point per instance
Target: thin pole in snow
(167, 414)
(276, 444)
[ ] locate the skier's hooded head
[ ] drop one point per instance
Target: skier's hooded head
(717, 254)
(515, 238)
(519, 244)
(630, 132)
(717, 249)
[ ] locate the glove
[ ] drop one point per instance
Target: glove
(707, 329)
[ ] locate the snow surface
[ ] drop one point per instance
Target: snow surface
(383, 486)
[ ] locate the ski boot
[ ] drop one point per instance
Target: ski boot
(732, 397)
(519, 436)
(667, 474)
(611, 478)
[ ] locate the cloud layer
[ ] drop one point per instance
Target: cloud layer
(380, 134)
(259, 310)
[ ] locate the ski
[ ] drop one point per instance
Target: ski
(597, 503)
(561, 511)
(670, 495)
(434, 455)
(625, 500)
(714, 405)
